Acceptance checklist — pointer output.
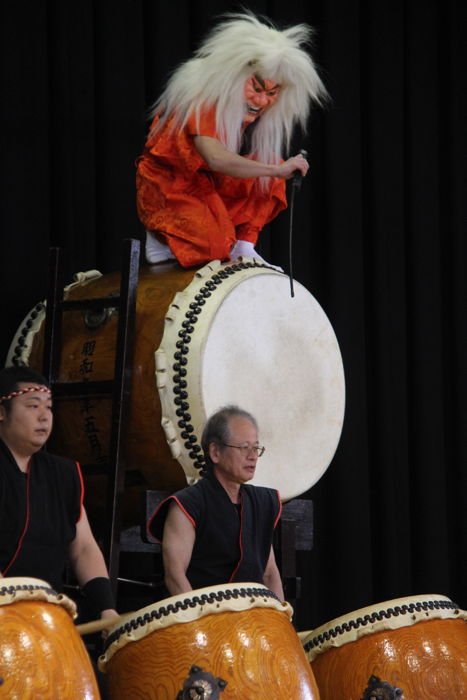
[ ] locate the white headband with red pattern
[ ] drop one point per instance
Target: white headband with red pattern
(29, 390)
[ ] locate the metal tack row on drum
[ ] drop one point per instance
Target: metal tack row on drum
(233, 643)
(226, 333)
(229, 642)
(415, 645)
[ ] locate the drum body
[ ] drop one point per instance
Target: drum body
(239, 637)
(418, 644)
(227, 333)
(41, 653)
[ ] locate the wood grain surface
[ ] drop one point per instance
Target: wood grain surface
(427, 660)
(256, 651)
(42, 656)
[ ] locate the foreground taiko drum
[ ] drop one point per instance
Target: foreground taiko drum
(416, 644)
(41, 653)
(226, 333)
(233, 642)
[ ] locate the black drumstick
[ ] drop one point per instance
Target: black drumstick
(296, 184)
(298, 177)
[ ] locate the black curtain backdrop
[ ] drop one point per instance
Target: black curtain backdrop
(379, 240)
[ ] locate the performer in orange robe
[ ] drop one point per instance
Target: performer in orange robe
(206, 184)
(201, 212)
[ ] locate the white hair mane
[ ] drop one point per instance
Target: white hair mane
(216, 75)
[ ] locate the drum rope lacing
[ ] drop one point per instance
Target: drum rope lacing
(380, 615)
(196, 600)
(181, 359)
(30, 588)
(10, 590)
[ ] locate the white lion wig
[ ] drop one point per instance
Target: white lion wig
(216, 75)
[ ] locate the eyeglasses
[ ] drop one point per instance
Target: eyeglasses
(248, 449)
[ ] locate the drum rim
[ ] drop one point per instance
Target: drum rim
(20, 348)
(180, 322)
(182, 436)
(17, 589)
(389, 615)
(188, 607)
(172, 355)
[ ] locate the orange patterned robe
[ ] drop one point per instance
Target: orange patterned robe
(201, 213)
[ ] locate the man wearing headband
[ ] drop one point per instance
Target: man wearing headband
(220, 529)
(211, 175)
(42, 518)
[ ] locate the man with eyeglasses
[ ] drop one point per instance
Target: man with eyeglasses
(220, 529)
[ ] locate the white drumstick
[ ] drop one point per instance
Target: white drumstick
(101, 624)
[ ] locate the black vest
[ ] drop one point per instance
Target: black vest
(231, 544)
(52, 511)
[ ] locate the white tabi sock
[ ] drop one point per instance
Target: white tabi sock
(246, 249)
(157, 251)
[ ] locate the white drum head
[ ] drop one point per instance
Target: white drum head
(255, 346)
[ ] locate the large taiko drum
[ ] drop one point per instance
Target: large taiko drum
(416, 644)
(234, 642)
(41, 653)
(226, 333)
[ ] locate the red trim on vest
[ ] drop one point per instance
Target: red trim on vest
(240, 537)
(280, 510)
(148, 528)
(26, 524)
(193, 522)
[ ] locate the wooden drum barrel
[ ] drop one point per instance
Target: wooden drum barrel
(416, 644)
(231, 642)
(41, 653)
(226, 333)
